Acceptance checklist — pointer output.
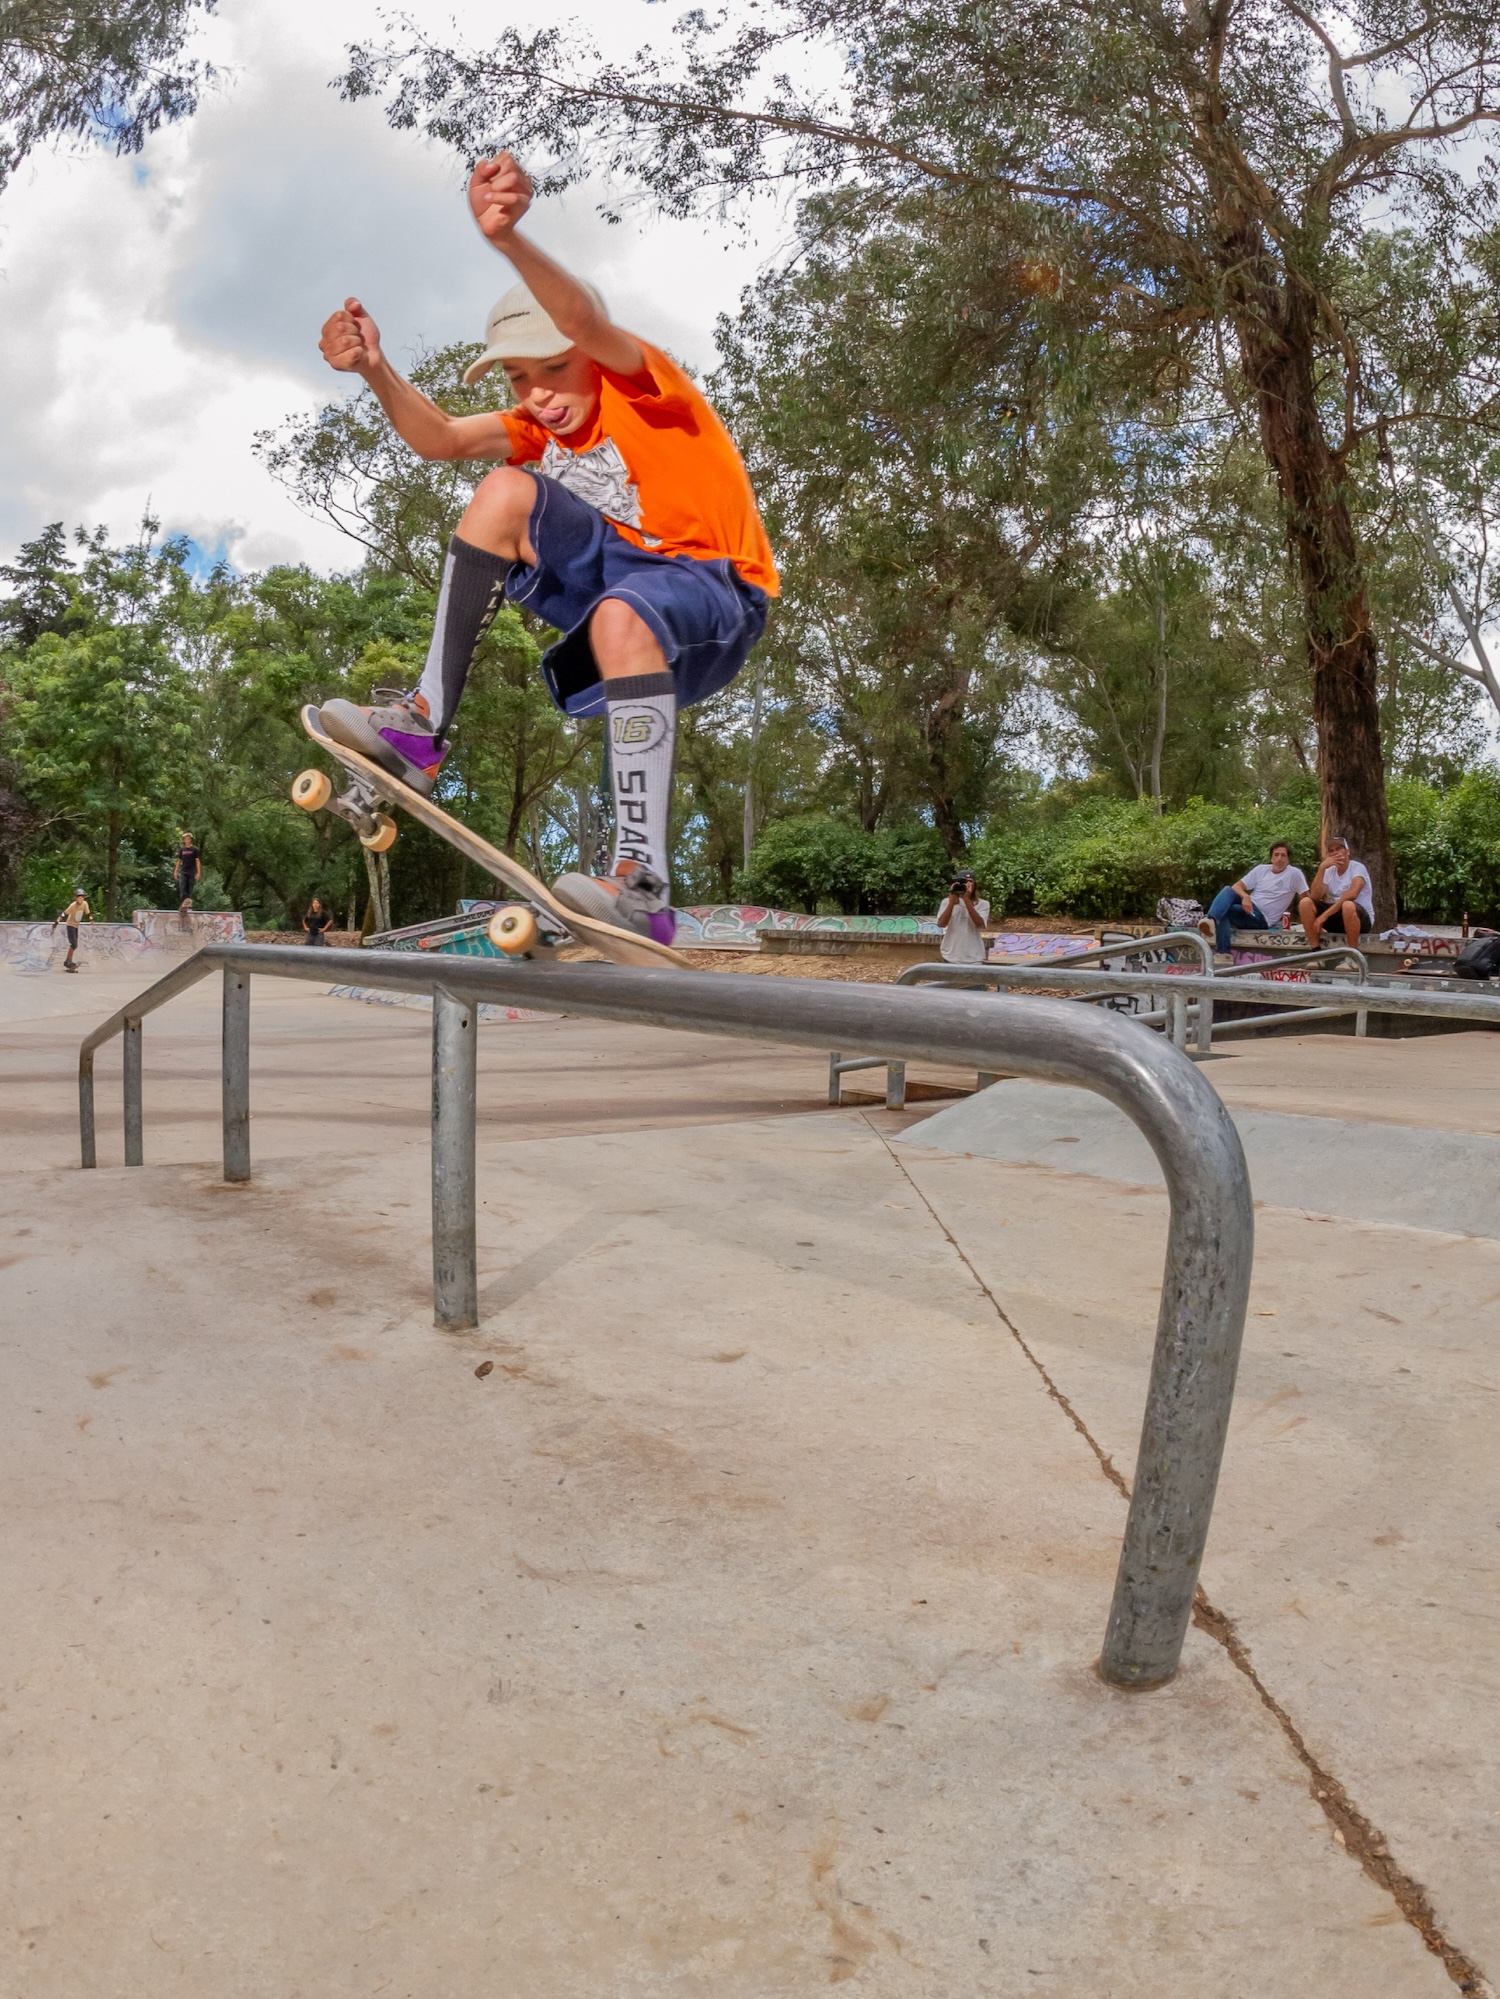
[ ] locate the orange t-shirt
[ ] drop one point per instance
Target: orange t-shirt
(660, 466)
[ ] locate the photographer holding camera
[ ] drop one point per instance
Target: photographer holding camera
(962, 919)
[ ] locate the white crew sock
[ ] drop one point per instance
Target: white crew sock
(642, 736)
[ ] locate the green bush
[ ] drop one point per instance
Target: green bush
(1109, 857)
(1447, 847)
(1113, 857)
(49, 881)
(817, 863)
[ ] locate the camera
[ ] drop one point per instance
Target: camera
(959, 883)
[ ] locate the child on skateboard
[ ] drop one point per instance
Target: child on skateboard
(77, 912)
(632, 529)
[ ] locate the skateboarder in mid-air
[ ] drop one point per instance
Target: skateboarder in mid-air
(632, 528)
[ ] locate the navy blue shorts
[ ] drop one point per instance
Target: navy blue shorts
(704, 615)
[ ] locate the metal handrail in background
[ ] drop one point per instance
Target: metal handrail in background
(1272, 963)
(1210, 1233)
(1126, 947)
(1324, 1001)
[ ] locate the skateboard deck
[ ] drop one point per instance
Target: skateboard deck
(625, 947)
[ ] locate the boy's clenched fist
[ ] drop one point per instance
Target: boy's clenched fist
(350, 340)
(499, 195)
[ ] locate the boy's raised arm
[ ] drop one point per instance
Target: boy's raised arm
(351, 343)
(499, 195)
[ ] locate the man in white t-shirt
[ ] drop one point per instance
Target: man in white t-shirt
(1262, 901)
(1339, 898)
(962, 919)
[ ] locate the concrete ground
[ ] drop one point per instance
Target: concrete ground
(720, 1618)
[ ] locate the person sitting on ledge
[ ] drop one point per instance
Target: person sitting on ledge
(1339, 896)
(1265, 898)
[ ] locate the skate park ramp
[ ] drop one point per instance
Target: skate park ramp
(30, 948)
(1359, 1170)
(718, 1620)
(115, 960)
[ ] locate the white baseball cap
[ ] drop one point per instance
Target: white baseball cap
(518, 330)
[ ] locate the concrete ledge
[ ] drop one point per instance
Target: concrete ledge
(1444, 1180)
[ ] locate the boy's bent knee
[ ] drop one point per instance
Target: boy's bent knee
(623, 644)
(499, 515)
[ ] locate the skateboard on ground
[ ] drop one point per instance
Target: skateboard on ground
(512, 929)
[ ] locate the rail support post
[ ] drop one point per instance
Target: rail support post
(130, 1041)
(895, 1086)
(1177, 1020)
(455, 1271)
(236, 1075)
(86, 1108)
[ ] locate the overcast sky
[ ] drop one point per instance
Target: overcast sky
(156, 312)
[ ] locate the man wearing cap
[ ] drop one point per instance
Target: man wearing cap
(632, 529)
(1339, 896)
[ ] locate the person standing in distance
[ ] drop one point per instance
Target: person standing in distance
(961, 919)
(77, 912)
(619, 512)
(185, 871)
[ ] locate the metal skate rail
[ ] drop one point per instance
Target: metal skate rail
(1326, 1000)
(1118, 945)
(1209, 1238)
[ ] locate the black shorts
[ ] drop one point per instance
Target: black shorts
(72, 930)
(1366, 920)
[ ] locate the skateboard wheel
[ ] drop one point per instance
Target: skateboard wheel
(384, 836)
(312, 790)
(512, 931)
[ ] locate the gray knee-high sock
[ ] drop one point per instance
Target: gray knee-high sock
(467, 603)
(642, 736)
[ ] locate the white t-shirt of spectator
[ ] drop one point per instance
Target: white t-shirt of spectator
(1336, 883)
(962, 943)
(1273, 894)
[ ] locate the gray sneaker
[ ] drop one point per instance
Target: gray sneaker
(631, 898)
(395, 734)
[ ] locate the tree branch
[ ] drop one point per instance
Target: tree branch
(1439, 657)
(1336, 68)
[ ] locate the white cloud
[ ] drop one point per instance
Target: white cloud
(156, 313)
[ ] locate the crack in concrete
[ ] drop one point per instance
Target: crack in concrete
(1362, 1840)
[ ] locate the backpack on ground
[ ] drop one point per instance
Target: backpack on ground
(1479, 959)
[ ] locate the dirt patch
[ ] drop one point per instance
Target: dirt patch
(867, 969)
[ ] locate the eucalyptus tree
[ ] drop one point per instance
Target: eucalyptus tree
(112, 70)
(1212, 179)
(1158, 682)
(925, 448)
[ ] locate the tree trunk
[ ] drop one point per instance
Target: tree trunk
(943, 724)
(749, 826)
(588, 828)
(378, 877)
(1159, 740)
(112, 869)
(1279, 358)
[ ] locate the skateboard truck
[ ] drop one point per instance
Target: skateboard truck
(313, 790)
